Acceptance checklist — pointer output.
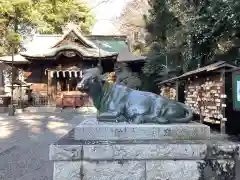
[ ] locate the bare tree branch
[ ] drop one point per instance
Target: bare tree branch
(132, 18)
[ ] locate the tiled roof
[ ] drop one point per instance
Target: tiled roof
(45, 46)
(17, 59)
(211, 67)
(43, 42)
(126, 56)
(86, 41)
(80, 50)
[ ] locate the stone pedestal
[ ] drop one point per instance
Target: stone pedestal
(100, 151)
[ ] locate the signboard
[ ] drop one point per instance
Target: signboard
(236, 90)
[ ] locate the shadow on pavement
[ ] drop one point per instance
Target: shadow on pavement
(25, 140)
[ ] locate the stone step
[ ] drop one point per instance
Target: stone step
(145, 170)
(94, 130)
(96, 150)
(128, 152)
(68, 149)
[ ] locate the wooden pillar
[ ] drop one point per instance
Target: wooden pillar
(2, 90)
(49, 87)
(68, 85)
(21, 99)
(201, 104)
(54, 88)
(58, 86)
(177, 90)
(223, 121)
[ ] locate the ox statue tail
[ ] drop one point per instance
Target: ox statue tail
(189, 115)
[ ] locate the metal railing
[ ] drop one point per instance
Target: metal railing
(34, 101)
(38, 101)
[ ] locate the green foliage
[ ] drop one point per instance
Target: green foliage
(140, 49)
(160, 23)
(192, 33)
(45, 16)
(12, 14)
(13, 38)
(126, 77)
(3, 40)
(51, 17)
(217, 29)
(157, 71)
(155, 65)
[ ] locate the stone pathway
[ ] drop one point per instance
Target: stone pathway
(25, 140)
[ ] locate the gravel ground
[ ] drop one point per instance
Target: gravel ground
(25, 140)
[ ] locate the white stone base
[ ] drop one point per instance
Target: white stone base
(142, 152)
(142, 170)
(125, 131)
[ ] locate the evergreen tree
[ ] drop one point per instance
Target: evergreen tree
(126, 77)
(196, 32)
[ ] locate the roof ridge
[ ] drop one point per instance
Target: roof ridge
(79, 34)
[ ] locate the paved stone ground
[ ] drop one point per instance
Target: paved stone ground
(25, 140)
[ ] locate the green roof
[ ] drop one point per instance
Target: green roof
(111, 45)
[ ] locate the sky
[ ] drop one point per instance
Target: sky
(106, 11)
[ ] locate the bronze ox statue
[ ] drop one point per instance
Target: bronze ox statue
(118, 103)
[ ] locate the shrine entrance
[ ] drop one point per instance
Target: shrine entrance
(62, 91)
